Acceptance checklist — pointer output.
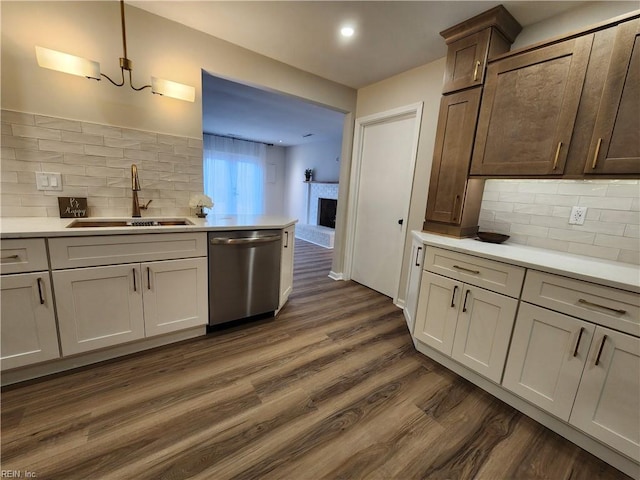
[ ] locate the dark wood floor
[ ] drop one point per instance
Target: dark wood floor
(331, 389)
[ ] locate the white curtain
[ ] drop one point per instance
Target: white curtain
(234, 175)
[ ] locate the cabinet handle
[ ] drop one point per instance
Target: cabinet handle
(11, 257)
(286, 239)
(135, 287)
(475, 272)
(616, 310)
(594, 163)
(40, 291)
(475, 71)
(555, 160)
(575, 350)
(453, 297)
(148, 278)
(418, 256)
(464, 305)
(604, 338)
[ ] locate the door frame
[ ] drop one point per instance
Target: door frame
(406, 111)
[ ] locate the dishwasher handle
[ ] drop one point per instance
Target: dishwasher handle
(244, 240)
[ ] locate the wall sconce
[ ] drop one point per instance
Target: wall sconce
(63, 62)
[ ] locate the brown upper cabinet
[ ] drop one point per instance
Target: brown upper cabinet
(472, 43)
(615, 143)
(528, 110)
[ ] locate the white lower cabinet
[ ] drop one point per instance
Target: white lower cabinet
(286, 264)
(607, 404)
(104, 306)
(547, 356)
(28, 321)
(470, 324)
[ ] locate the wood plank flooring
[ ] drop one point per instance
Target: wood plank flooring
(331, 389)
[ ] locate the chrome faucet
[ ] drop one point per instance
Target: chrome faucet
(135, 188)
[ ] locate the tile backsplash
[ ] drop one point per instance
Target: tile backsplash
(95, 162)
(536, 213)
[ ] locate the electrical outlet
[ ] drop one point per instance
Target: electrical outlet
(48, 181)
(577, 215)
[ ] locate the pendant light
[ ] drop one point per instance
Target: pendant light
(63, 62)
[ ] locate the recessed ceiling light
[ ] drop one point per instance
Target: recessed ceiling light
(347, 31)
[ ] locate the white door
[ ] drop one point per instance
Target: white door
(483, 331)
(437, 314)
(384, 160)
(547, 355)
(608, 402)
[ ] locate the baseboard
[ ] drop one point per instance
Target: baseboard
(336, 276)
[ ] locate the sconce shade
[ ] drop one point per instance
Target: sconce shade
(171, 89)
(63, 62)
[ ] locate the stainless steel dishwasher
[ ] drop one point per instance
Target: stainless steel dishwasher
(244, 274)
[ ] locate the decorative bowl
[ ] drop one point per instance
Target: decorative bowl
(492, 237)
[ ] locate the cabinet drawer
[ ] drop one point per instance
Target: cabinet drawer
(495, 276)
(617, 309)
(72, 252)
(23, 255)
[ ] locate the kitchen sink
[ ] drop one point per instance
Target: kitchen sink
(129, 222)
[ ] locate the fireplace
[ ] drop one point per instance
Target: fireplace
(327, 208)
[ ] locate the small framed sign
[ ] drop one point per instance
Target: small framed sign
(72, 207)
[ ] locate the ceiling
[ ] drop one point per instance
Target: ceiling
(391, 37)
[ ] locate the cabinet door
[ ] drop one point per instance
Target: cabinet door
(286, 264)
(608, 402)
(548, 352)
(28, 322)
(175, 295)
(528, 110)
(452, 154)
(615, 144)
(413, 285)
(437, 314)
(466, 60)
(98, 307)
(483, 331)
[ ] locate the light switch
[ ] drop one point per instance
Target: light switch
(48, 181)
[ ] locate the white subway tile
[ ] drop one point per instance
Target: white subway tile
(538, 186)
(561, 211)
(172, 140)
(496, 227)
(173, 177)
(84, 181)
(557, 200)
(140, 135)
(497, 185)
(532, 230)
(600, 227)
(104, 130)
(58, 123)
(195, 142)
(549, 243)
(63, 168)
(7, 153)
(38, 156)
(516, 197)
(36, 132)
(497, 206)
(10, 177)
(18, 166)
(583, 188)
(635, 204)
(572, 235)
(157, 166)
(547, 221)
(121, 142)
(97, 202)
(623, 190)
(139, 155)
(197, 160)
(510, 217)
(606, 203)
(86, 160)
(19, 142)
(156, 147)
(593, 214)
(10, 116)
(84, 138)
(181, 196)
(39, 201)
(69, 191)
(5, 129)
(102, 151)
(10, 200)
(533, 209)
(111, 212)
(120, 202)
(122, 182)
(19, 189)
(594, 251)
(107, 172)
(190, 151)
(488, 196)
(11, 211)
(190, 169)
(619, 216)
(62, 147)
(519, 239)
(632, 231)
(629, 256)
(28, 178)
(626, 243)
(108, 192)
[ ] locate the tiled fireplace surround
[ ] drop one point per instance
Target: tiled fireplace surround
(308, 229)
(95, 162)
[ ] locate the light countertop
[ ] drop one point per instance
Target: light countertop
(614, 274)
(29, 227)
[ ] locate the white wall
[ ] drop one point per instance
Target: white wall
(275, 190)
(323, 157)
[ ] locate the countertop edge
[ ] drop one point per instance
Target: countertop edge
(604, 272)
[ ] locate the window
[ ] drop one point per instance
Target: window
(234, 173)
